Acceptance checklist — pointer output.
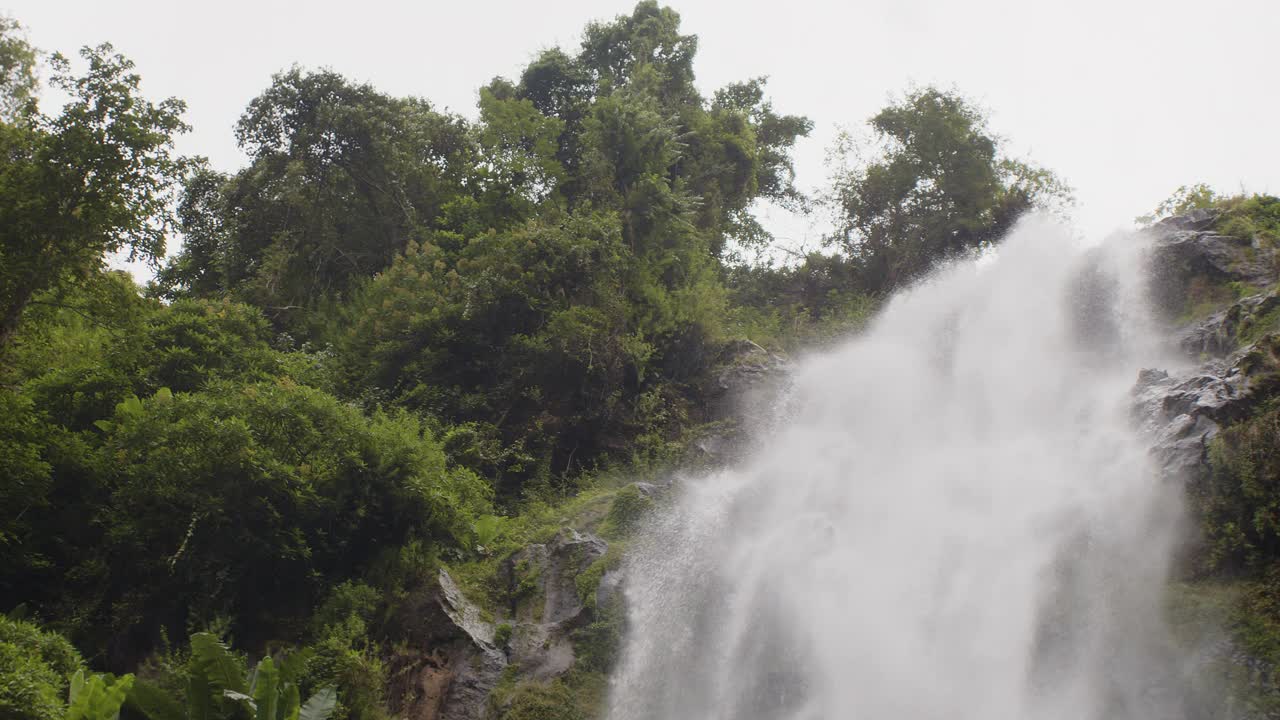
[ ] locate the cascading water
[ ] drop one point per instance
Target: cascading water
(954, 517)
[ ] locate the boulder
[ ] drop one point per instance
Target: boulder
(451, 663)
(547, 606)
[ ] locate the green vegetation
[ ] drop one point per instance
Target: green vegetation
(1252, 217)
(942, 188)
(1240, 501)
(35, 670)
(397, 340)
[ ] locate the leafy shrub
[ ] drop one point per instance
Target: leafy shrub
(35, 666)
(97, 697)
(342, 659)
(248, 500)
(27, 480)
(347, 599)
(220, 687)
(29, 689)
(1252, 217)
(1240, 502)
(626, 513)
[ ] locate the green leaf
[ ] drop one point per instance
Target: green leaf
(199, 697)
(154, 702)
(212, 660)
(290, 704)
(129, 406)
(98, 698)
(294, 664)
(320, 705)
(266, 690)
(241, 698)
(77, 685)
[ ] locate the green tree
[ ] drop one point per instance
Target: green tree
(342, 178)
(93, 179)
(243, 502)
(940, 188)
(525, 330)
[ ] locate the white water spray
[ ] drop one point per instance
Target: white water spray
(954, 518)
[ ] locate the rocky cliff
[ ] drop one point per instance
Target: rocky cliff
(1222, 310)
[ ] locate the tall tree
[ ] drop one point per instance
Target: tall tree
(941, 187)
(342, 178)
(96, 178)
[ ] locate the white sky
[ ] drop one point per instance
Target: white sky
(1124, 99)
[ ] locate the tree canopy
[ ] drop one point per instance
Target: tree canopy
(940, 187)
(93, 179)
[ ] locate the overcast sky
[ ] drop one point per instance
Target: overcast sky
(1124, 99)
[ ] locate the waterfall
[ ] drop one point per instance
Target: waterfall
(952, 516)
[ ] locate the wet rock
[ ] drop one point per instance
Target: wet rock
(1190, 260)
(1183, 412)
(742, 382)
(1219, 334)
(650, 491)
(466, 616)
(547, 605)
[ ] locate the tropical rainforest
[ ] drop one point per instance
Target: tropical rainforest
(401, 340)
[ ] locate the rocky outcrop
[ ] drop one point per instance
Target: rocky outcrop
(453, 662)
(1181, 414)
(461, 651)
(551, 589)
(1221, 333)
(546, 605)
(1190, 258)
(1183, 411)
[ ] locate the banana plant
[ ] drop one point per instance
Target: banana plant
(97, 697)
(218, 689)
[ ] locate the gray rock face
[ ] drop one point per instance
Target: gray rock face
(1182, 413)
(548, 608)
(743, 383)
(1192, 221)
(1219, 334)
(1189, 257)
(1179, 415)
(477, 665)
